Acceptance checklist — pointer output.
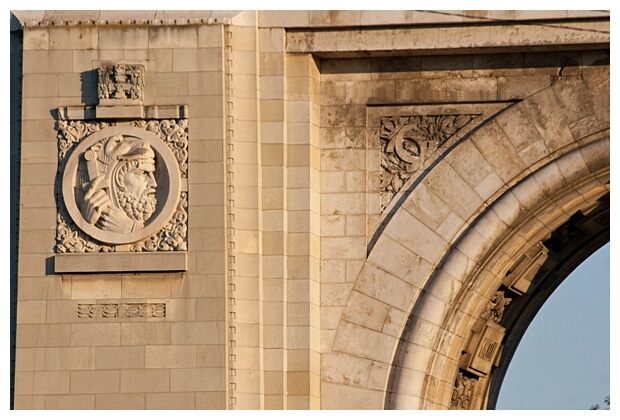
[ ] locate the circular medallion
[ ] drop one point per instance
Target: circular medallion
(121, 184)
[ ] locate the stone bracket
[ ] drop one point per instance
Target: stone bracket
(484, 349)
(521, 275)
(109, 262)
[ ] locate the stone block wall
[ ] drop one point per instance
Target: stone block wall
(66, 359)
(361, 306)
(355, 93)
(291, 294)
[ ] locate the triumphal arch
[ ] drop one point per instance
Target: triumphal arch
(296, 209)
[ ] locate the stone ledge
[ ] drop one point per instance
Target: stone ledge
(123, 112)
(55, 18)
(285, 18)
(445, 40)
(115, 262)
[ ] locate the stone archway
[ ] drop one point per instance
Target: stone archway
(571, 244)
(428, 312)
(512, 279)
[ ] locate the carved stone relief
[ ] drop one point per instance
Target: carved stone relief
(121, 81)
(123, 187)
(68, 238)
(463, 391)
(121, 310)
(118, 186)
(406, 142)
(495, 310)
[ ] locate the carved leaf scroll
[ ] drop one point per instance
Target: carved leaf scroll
(172, 236)
(172, 132)
(495, 310)
(406, 142)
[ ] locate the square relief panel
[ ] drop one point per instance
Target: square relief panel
(121, 185)
(124, 186)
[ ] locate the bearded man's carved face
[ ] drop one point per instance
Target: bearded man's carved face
(137, 188)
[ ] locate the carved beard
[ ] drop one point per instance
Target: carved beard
(141, 210)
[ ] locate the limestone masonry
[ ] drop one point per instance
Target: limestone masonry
(296, 209)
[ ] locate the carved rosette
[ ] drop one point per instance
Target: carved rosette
(406, 142)
(173, 234)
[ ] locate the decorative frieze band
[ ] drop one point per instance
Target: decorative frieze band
(121, 310)
(128, 22)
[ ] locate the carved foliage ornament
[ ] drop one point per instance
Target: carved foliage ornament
(495, 311)
(121, 186)
(406, 142)
(462, 393)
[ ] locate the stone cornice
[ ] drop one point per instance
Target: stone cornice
(54, 18)
(288, 18)
(438, 39)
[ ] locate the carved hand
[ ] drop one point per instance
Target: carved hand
(114, 220)
(95, 201)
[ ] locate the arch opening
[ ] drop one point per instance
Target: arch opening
(562, 361)
(571, 244)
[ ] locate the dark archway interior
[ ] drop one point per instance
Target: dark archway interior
(569, 245)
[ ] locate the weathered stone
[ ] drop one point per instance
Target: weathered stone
(299, 285)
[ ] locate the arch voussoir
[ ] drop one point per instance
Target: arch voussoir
(600, 101)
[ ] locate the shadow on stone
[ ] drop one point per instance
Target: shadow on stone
(89, 87)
